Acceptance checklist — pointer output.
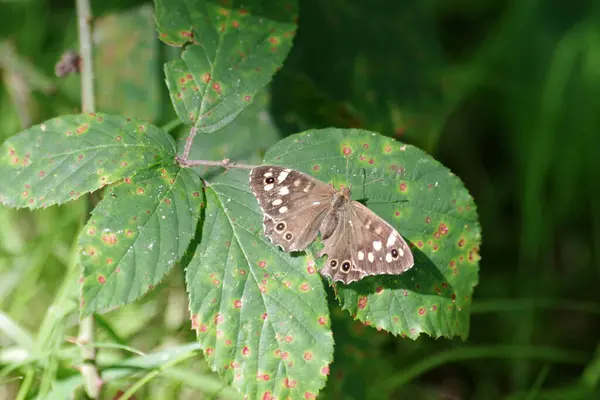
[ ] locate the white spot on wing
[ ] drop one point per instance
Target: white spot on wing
(388, 257)
(391, 240)
(401, 252)
(297, 182)
(277, 202)
(361, 255)
(378, 230)
(268, 174)
(284, 190)
(282, 176)
(269, 187)
(377, 245)
(316, 203)
(283, 209)
(371, 257)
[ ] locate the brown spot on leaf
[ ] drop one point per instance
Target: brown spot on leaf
(362, 302)
(109, 239)
(267, 396)
(289, 383)
(82, 129)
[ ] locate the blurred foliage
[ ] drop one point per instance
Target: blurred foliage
(504, 92)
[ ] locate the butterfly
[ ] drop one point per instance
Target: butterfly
(296, 207)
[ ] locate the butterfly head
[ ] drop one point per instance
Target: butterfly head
(345, 191)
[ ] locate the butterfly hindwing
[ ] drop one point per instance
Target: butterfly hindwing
(367, 243)
(378, 247)
(340, 265)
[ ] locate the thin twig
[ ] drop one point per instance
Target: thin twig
(184, 160)
(224, 163)
(84, 21)
(188, 143)
(89, 370)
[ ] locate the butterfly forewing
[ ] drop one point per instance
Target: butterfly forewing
(379, 248)
(293, 205)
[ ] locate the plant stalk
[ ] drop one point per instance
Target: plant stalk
(88, 369)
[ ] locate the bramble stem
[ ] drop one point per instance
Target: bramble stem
(87, 327)
(224, 163)
(184, 160)
(84, 20)
(188, 144)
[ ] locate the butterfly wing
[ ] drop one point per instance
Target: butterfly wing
(368, 243)
(340, 266)
(293, 204)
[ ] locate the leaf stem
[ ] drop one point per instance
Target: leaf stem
(188, 143)
(226, 163)
(88, 369)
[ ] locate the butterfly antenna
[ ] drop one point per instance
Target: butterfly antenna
(368, 183)
(373, 181)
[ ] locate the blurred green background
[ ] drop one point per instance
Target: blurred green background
(504, 92)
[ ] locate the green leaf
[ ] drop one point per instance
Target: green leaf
(233, 51)
(261, 315)
(136, 234)
(425, 202)
(68, 156)
(128, 40)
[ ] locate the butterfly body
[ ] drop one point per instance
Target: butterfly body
(297, 207)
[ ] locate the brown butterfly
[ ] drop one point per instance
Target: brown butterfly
(297, 206)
